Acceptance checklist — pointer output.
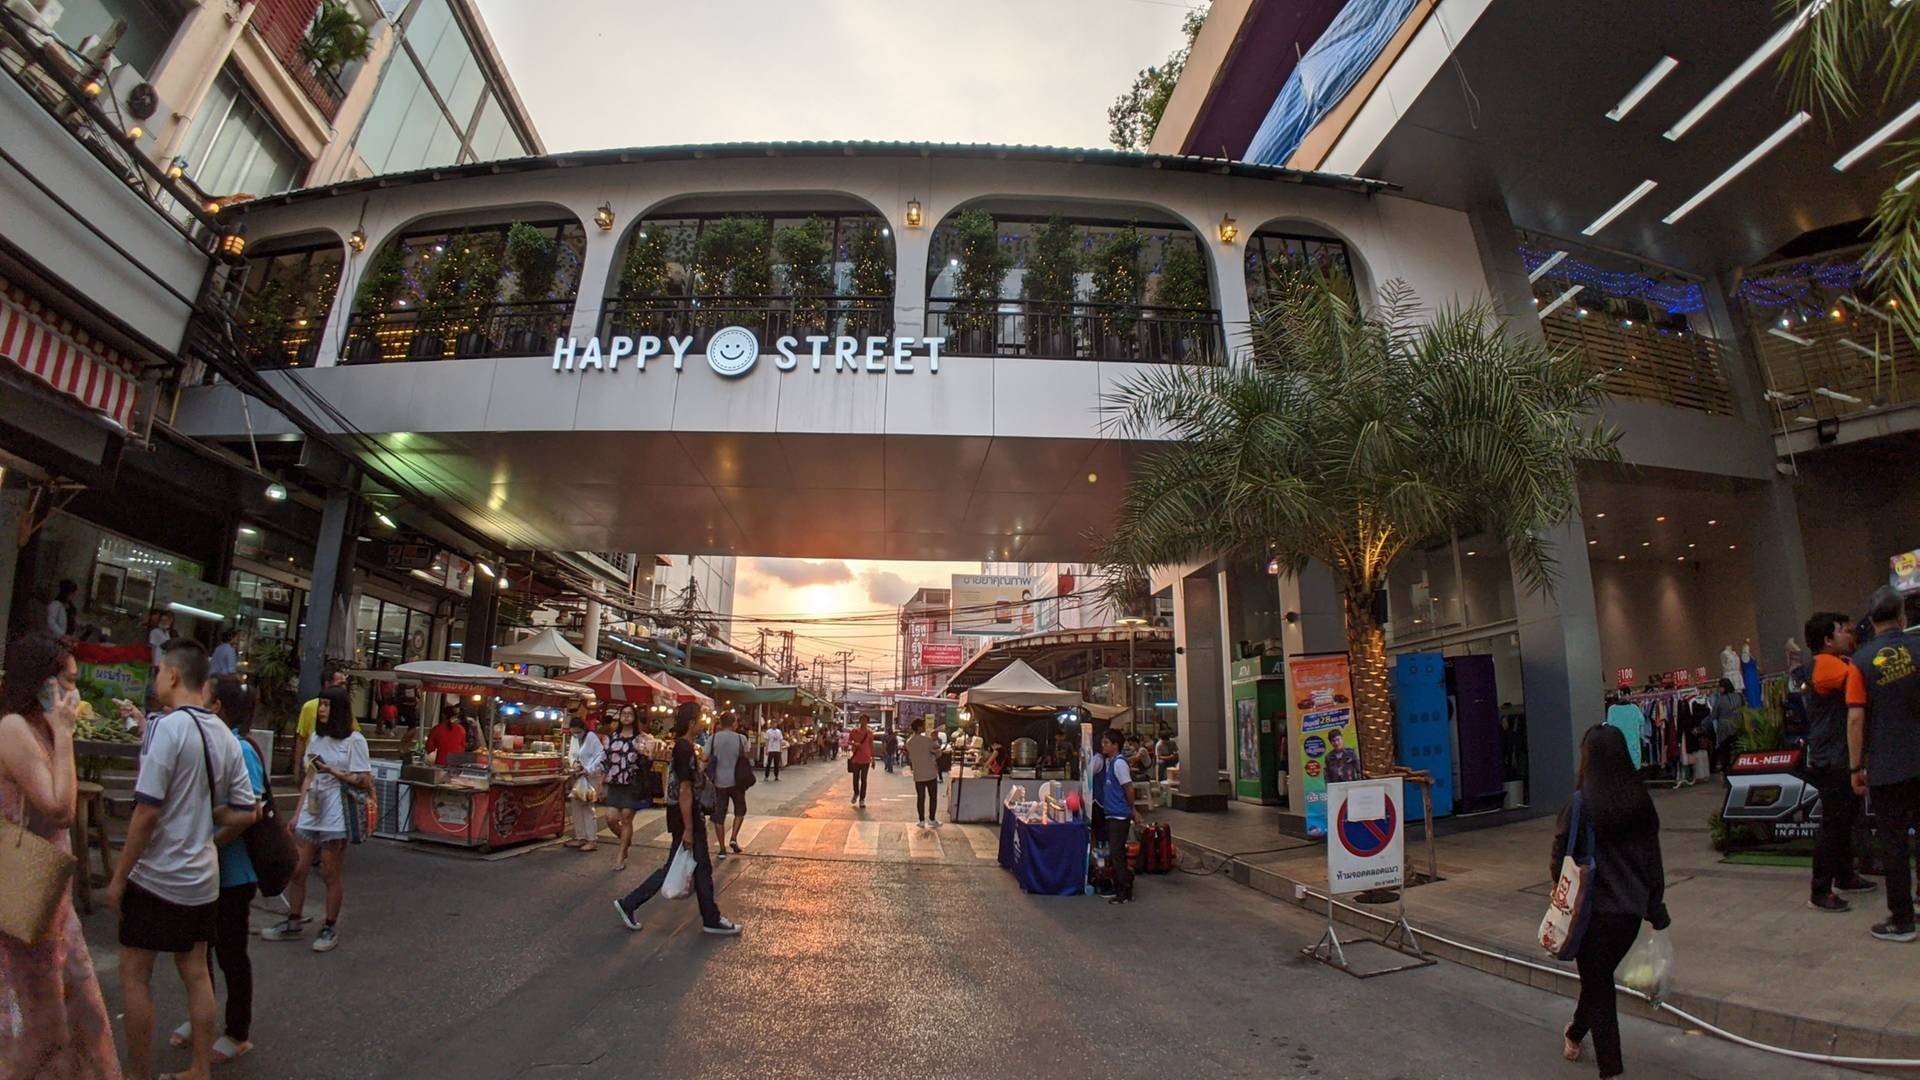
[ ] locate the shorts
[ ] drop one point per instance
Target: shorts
(723, 795)
(156, 925)
(322, 837)
(622, 797)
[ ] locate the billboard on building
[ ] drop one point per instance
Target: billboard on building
(992, 605)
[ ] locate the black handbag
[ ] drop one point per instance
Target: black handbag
(270, 847)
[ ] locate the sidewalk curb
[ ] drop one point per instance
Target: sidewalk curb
(1768, 1026)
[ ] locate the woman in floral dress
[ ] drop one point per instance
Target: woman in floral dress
(53, 1022)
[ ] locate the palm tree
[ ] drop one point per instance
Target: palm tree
(1349, 437)
(1844, 45)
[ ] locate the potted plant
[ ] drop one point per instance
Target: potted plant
(380, 287)
(733, 265)
(870, 276)
(462, 280)
(1117, 282)
(646, 276)
(976, 281)
(335, 38)
(807, 251)
(533, 258)
(1047, 288)
(264, 316)
(1182, 295)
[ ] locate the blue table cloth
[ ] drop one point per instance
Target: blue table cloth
(1047, 859)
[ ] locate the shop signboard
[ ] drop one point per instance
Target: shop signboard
(1320, 720)
(1906, 571)
(733, 351)
(191, 596)
(396, 556)
(942, 654)
(1366, 847)
(1623, 678)
(111, 671)
(991, 605)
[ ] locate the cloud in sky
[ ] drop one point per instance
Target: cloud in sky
(802, 572)
(887, 587)
(599, 73)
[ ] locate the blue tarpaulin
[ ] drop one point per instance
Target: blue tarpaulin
(1327, 71)
(1046, 859)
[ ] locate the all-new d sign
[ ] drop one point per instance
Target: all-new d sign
(733, 351)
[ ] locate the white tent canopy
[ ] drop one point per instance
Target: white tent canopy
(1018, 686)
(546, 648)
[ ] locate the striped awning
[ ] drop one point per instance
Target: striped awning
(47, 345)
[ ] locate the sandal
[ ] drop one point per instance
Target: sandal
(225, 1050)
(182, 1036)
(1571, 1049)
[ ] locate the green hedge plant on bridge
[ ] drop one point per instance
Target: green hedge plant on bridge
(1349, 437)
(732, 275)
(806, 252)
(462, 284)
(647, 280)
(1118, 281)
(976, 280)
(379, 290)
(870, 277)
(1182, 287)
(1048, 285)
(533, 259)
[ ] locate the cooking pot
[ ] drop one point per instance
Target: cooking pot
(1026, 752)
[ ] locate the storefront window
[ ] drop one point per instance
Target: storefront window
(119, 579)
(149, 28)
(270, 613)
(1423, 593)
(234, 147)
(387, 634)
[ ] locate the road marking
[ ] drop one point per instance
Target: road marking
(801, 840)
(863, 839)
(984, 841)
(923, 844)
(751, 828)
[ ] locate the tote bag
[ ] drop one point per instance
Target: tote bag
(37, 874)
(1571, 904)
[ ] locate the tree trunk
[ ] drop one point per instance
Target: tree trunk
(1367, 659)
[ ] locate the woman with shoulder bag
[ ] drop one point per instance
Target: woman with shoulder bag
(623, 774)
(233, 703)
(337, 760)
(589, 786)
(55, 1020)
(1629, 884)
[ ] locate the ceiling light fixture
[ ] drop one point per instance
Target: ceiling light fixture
(603, 217)
(357, 240)
(1871, 354)
(1661, 519)
(276, 491)
(1620, 207)
(1745, 71)
(1795, 338)
(1559, 300)
(484, 568)
(1800, 119)
(383, 519)
(1660, 70)
(1827, 392)
(1869, 309)
(1590, 543)
(1713, 521)
(1907, 181)
(1874, 140)
(1552, 261)
(1601, 514)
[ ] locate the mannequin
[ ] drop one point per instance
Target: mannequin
(1730, 667)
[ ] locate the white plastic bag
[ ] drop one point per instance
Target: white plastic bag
(1648, 967)
(679, 881)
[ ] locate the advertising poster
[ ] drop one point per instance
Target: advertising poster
(112, 671)
(1246, 713)
(1320, 713)
(992, 605)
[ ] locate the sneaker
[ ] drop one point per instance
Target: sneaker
(1829, 902)
(1893, 931)
(1857, 885)
(1119, 899)
(724, 928)
(735, 845)
(285, 930)
(933, 823)
(721, 855)
(626, 916)
(325, 940)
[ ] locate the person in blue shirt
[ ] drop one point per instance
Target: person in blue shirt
(1113, 791)
(233, 703)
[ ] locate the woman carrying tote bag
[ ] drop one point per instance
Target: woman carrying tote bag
(1627, 884)
(49, 996)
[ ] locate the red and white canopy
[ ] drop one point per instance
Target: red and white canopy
(619, 681)
(682, 693)
(49, 346)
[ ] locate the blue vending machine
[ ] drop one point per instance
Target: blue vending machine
(1422, 728)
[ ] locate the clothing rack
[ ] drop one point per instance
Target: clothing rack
(1663, 747)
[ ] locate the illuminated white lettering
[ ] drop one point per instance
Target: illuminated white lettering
(787, 361)
(933, 353)
(843, 354)
(619, 347)
(679, 345)
(818, 341)
(563, 350)
(591, 355)
(649, 346)
(876, 354)
(903, 358)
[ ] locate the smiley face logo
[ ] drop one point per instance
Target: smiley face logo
(732, 351)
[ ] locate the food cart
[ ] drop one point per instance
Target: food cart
(514, 787)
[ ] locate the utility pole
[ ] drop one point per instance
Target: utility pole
(844, 656)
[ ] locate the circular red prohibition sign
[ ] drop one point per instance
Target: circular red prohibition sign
(1365, 839)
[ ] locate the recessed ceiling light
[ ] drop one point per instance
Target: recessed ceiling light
(1713, 521)
(1590, 543)
(1559, 300)
(1661, 519)
(1601, 514)
(1646, 543)
(1690, 547)
(1746, 69)
(1551, 261)
(1620, 557)
(1800, 120)
(1471, 553)
(1620, 207)
(1680, 558)
(1730, 547)
(1660, 70)
(1878, 137)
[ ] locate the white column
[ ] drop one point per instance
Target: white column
(597, 271)
(195, 57)
(590, 635)
(1200, 677)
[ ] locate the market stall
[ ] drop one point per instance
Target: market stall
(1043, 844)
(513, 788)
(547, 649)
(1021, 711)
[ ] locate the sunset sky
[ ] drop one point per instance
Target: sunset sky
(870, 590)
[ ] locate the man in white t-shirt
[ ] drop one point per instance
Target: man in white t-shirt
(192, 782)
(776, 750)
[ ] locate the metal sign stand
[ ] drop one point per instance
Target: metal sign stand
(1327, 950)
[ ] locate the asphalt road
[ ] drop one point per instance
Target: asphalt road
(867, 953)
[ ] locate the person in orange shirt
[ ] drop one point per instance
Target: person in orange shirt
(1833, 687)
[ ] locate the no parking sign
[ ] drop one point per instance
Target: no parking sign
(1365, 838)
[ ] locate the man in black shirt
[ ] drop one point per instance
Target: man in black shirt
(687, 826)
(1883, 751)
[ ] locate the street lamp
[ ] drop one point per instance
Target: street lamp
(1133, 694)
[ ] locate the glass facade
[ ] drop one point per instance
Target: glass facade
(149, 27)
(120, 579)
(284, 299)
(1269, 254)
(233, 148)
(433, 106)
(386, 633)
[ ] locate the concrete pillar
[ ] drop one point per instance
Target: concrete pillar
(332, 569)
(590, 636)
(335, 163)
(597, 275)
(1559, 632)
(1200, 673)
(1227, 263)
(196, 56)
(13, 512)
(482, 609)
(910, 247)
(1777, 562)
